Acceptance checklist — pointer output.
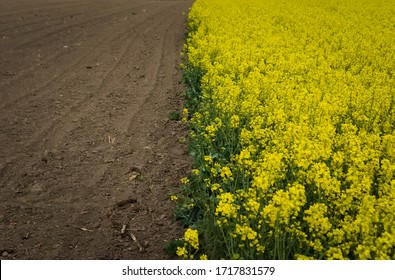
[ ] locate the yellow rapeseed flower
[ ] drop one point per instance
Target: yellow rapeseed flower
(191, 236)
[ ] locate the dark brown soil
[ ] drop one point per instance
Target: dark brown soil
(88, 154)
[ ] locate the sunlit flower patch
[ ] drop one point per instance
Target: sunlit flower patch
(291, 108)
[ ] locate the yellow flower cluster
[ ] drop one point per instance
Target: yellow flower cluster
(191, 245)
(191, 236)
(226, 207)
(295, 125)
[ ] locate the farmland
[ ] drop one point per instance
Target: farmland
(291, 113)
(88, 153)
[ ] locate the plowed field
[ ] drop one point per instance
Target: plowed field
(88, 154)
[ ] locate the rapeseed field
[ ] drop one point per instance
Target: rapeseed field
(291, 110)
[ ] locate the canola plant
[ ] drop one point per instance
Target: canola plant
(291, 110)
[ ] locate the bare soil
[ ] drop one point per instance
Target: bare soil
(88, 154)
